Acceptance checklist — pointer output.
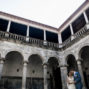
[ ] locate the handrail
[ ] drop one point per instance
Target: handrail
(76, 35)
(34, 41)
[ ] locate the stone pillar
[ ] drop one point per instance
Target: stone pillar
(45, 76)
(45, 42)
(27, 34)
(63, 69)
(24, 75)
(85, 16)
(81, 72)
(1, 67)
(72, 32)
(60, 40)
(8, 27)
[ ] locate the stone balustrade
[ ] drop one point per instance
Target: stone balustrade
(66, 41)
(39, 42)
(2, 34)
(16, 37)
(32, 41)
(78, 34)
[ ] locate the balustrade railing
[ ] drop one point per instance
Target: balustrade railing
(31, 40)
(66, 41)
(2, 34)
(76, 35)
(55, 45)
(80, 32)
(16, 37)
(35, 41)
(41, 42)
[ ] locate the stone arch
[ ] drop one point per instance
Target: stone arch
(80, 47)
(12, 69)
(54, 73)
(35, 71)
(39, 55)
(54, 56)
(69, 53)
(84, 57)
(14, 50)
(71, 62)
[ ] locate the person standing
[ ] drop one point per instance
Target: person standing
(70, 81)
(77, 79)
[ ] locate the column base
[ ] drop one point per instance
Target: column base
(45, 43)
(84, 87)
(23, 88)
(6, 35)
(72, 37)
(27, 39)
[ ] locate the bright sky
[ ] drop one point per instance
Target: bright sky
(50, 12)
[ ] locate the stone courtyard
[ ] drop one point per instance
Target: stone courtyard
(38, 56)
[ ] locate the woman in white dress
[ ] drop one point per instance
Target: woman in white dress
(70, 81)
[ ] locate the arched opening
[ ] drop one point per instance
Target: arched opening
(34, 73)
(84, 54)
(54, 74)
(71, 61)
(12, 71)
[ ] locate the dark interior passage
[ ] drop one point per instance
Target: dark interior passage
(51, 37)
(36, 33)
(57, 78)
(87, 12)
(3, 25)
(66, 34)
(72, 63)
(84, 54)
(55, 75)
(78, 23)
(17, 28)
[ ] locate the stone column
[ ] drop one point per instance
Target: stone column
(81, 72)
(72, 32)
(63, 69)
(85, 16)
(24, 75)
(45, 76)
(27, 34)
(45, 42)
(1, 67)
(8, 27)
(60, 40)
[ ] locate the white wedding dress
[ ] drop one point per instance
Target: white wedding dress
(70, 80)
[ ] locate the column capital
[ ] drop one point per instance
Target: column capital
(63, 65)
(45, 64)
(25, 62)
(79, 61)
(2, 60)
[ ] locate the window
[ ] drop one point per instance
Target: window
(52, 37)
(36, 33)
(3, 24)
(87, 12)
(78, 23)
(19, 29)
(66, 34)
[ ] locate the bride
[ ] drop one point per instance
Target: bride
(70, 81)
